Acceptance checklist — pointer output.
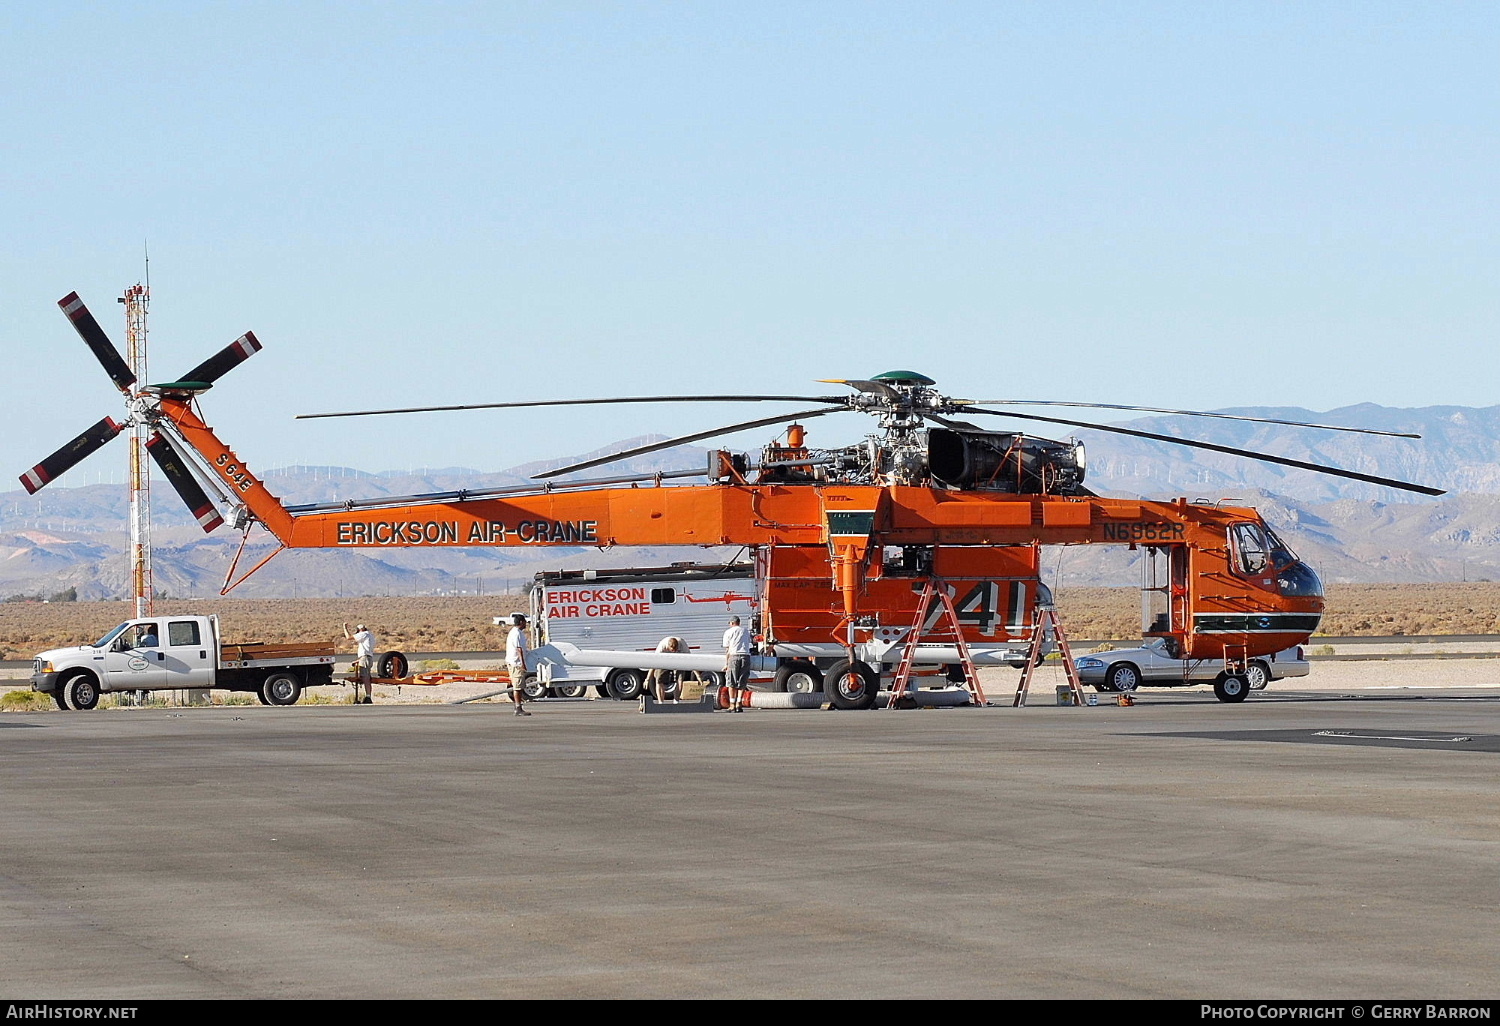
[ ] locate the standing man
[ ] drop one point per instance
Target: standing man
(736, 664)
(515, 661)
(364, 661)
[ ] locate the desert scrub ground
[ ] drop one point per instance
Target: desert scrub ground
(462, 624)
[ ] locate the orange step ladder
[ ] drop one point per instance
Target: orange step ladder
(1046, 619)
(936, 589)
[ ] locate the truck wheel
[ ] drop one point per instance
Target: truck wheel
(1124, 677)
(1257, 676)
(80, 691)
(281, 688)
(1231, 688)
(391, 666)
(572, 690)
(799, 677)
(261, 698)
(626, 685)
(851, 684)
(533, 688)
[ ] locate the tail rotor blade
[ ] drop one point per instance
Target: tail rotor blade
(104, 350)
(64, 459)
(225, 360)
(181, 478)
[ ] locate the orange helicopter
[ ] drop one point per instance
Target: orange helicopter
(860, 550)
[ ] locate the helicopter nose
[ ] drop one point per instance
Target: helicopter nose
(1298, 580)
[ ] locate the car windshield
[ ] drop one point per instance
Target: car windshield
(111, 636)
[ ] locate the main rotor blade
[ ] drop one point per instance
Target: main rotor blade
(225, 360)
(104, 350)
(1192, 413)
(1262, 456)
(64, 459)
(181, 478)
(836, 399)
(640, 450)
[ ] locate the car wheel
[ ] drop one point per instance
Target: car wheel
(799, 677)
(1123, 677)
(1231, 687)
(1257, 676)
(851, 684)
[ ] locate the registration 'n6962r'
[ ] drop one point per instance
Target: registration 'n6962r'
(1144, 531)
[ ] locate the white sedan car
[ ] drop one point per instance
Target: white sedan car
(1152, 665)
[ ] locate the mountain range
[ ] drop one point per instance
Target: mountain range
(75, 538)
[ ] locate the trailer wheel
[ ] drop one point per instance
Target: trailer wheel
(392, 665)
(851, 684)
(281, 688)
(626, 685)
(80, 691)
(799, 676)
(572, 690)
(533, 689)
(1231, 687)
(602, 690)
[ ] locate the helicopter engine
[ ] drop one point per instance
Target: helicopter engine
(1003, 461)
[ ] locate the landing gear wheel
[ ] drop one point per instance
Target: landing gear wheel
(533, 689)
(1231, 688)
(851, 684)
(391, 666)
(81, 692)
(1123, 677)
(572, 690)
(799, 677)
(626, 685)
(1257, 676)
(281, 688)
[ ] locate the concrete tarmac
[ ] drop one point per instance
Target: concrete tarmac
(1304, 844)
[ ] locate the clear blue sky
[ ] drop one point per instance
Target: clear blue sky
(1191, 204)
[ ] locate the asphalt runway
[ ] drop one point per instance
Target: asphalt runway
(1180, 848)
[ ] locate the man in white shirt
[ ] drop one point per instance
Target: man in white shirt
(364, 661)
(737, 664)
(515, 661)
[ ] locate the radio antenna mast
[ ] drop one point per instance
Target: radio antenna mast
(137, 299)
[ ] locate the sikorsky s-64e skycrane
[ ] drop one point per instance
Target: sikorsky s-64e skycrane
(919, 544)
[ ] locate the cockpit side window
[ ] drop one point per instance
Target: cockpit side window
(1251, 549)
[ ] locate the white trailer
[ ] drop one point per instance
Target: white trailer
(631, 611)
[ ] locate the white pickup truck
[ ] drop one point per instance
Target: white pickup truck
(172, 653)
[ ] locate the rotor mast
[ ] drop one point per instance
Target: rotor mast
(136, 300)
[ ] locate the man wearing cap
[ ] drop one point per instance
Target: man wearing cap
(364, 661)
(515, 661)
